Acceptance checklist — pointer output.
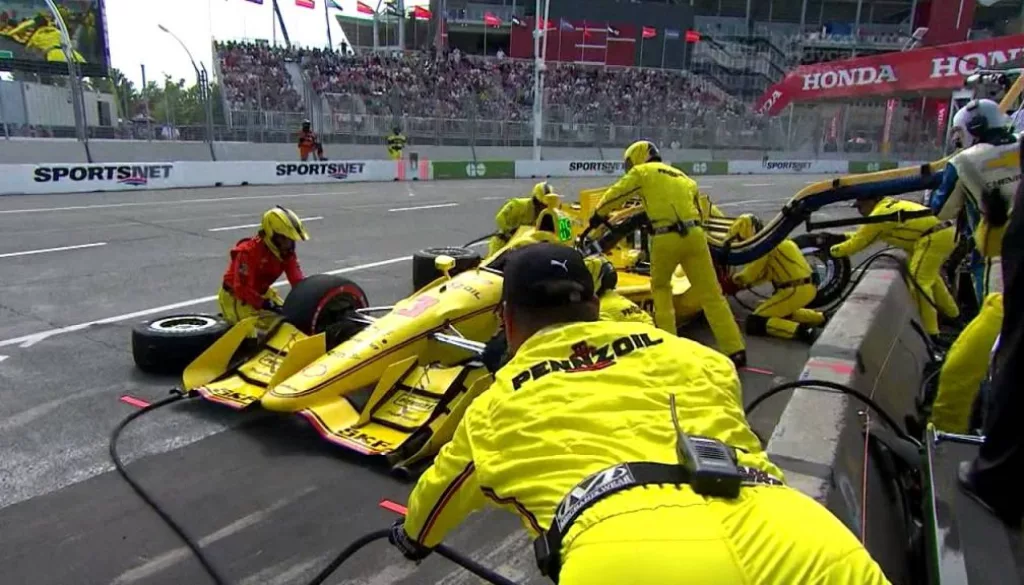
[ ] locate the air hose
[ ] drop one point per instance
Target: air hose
(177, 396)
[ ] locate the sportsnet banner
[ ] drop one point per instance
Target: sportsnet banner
(931, 68)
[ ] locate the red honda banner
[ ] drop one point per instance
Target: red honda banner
(931, 68)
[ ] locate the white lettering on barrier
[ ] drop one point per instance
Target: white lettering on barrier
(83, 178)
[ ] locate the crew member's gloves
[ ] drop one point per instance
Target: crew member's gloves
(996, 210)
(494, 353)
(836, 251)
(270, 305)
(410, 549)
(596, 220)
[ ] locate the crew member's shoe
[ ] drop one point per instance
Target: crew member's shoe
(739, 359)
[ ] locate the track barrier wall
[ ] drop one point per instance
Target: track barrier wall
(131, 175)
(820, 441)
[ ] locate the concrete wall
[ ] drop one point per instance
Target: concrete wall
(19, 150)
(869, 345)
(35, 150)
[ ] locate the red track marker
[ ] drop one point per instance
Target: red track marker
(393, 507)
(758, 371)
(136, 402)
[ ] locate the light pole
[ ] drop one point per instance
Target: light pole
(77, 98)
(201, 80)
(539, 55)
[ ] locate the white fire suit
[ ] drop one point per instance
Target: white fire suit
(967, 175)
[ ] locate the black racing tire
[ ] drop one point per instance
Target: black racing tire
(834, 274)
(321, 304)
(424, 272)
(167, 344)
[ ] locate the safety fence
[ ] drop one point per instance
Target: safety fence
(131, 176)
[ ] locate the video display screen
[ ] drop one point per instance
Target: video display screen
(30, 37)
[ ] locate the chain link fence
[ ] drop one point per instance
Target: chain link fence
(264, 93)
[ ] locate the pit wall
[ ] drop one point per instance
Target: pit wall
(869, 345)
(137, 172)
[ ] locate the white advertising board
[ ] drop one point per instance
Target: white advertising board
(84, 178)
(568, 168)
(787, 167)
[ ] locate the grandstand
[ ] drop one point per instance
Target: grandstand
(607, 83)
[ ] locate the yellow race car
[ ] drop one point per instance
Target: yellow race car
(395, 384)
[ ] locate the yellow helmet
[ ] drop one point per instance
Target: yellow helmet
(603, 272)
(640, 152)
(744, 227)
(540, 190)
(281, 222)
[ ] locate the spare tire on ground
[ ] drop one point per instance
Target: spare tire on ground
(424, 272)
(833, 273)
(322, 303)
(167, 344)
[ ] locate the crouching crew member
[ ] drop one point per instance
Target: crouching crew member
(784, 314)
(596, 435)
(257, 262)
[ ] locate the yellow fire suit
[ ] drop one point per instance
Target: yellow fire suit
(784, 312)
(670, 198)
(514, 214)
(960, 377)
(929, 243)
(234, 310)
(396, 145)
(542, 427)
(615, 307)
(46, 40)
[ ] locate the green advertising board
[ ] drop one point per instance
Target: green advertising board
(860, 167)
(481, 169)
(710, 167)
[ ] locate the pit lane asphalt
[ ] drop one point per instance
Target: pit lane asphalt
(270, 501)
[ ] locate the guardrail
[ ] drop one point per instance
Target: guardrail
(80, 177)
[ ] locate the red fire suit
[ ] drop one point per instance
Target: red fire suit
(253, 268)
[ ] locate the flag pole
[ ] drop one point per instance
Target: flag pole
(607, 39)
(664, 44)
(327, 22)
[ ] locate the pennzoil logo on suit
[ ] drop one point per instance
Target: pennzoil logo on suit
(587, 358)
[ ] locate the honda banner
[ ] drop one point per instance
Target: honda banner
(931, 68)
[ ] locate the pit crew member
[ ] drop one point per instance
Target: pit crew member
(784, 314)
(614, 306)
(309, 143)
(396, 144)
(928, 241)
(257, 262)
(516, 213)
(581, 399)
(669, 198)
(992, 477)
(988, 167)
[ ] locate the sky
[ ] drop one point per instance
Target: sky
(135, 38)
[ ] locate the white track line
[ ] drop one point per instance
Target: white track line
(47, 250)
(424, 207)
(176, 202)
(34, 338)
(756, 185)
(252, 225)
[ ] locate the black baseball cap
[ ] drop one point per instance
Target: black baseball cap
(546, 275)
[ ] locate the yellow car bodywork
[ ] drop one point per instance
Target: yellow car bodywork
(417, 386)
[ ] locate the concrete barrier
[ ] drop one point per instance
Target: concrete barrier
(19, 151)
(820, 441)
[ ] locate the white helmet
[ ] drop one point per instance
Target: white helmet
(976, 119)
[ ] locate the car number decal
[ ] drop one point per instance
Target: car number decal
(420, 305)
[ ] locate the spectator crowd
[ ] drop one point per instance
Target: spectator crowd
(463, 86)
